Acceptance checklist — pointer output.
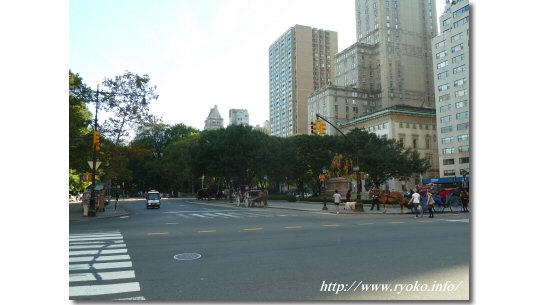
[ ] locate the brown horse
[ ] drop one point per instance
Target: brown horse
(392, 198)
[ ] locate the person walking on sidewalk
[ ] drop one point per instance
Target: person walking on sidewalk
(415, 201)
(337, 197)
(431, 202)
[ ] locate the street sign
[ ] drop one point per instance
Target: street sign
(97, 163)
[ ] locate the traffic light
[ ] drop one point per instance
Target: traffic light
(97, 140)
(314, 127)
(322, 127)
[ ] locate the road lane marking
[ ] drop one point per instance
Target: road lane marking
(172, 223)
(75, 291)
(396, 222)
(158, 233)
(425, 221)
(365, 224)
(331, 225)
(207, 231)
(293, 227)
(227, 215)
(101, 276)
(252, 229)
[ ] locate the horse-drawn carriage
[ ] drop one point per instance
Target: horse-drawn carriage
(386, 197)
(453, 198)
(252, 197)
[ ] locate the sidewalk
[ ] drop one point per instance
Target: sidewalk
(318, 207)
(76, 213)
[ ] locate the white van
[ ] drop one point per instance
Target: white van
(153, 199)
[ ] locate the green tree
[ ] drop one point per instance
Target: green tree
(127, 97)
(383, 159)
(80, 119)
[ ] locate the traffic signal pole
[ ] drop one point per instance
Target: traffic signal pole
(91, 210)
(359, 205)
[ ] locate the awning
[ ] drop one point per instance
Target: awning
(442, 180)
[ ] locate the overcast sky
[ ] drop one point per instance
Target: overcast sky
(199, 53)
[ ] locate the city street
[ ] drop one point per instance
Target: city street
(191, 250)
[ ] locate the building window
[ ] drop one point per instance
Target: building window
(461, 11)
(463, 138)
(440, 44)
(463, 126)
(456, 37)
(462, 115)
(446, 129)
(448, 151)
(460, 82)
(463, 148)
(447, 140)
(442, 64)
(446, 119)
(444, 97)
(460, 93)
(443, 87)
(458, 59)
(457, 48)
(464, 160)
(444, 108)
(441, 54)
(442, 75)
(459, 69)
(448, 161)
(450, 172)
(461, 104)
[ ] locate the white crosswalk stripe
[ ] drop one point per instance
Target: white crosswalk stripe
(99, 264)
(224, 214)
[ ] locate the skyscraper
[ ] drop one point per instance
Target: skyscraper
(238, 117)
(214, 120)
(450, 55)
(401, 33)
(300, 61)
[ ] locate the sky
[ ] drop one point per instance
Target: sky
(199, 53)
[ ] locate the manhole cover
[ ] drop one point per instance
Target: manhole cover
(187, 256)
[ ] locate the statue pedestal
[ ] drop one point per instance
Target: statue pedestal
(339, 183)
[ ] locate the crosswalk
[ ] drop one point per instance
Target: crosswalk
(224, 214)
(99, 265)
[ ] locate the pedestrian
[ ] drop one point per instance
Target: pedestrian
(117, 198)
(415, 201)
(337, 197)
(375, 198)
(265, 197)
(348, 196)
(431, 201)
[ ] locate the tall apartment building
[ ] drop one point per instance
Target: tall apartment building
(238, 117)
(400, 32)
(213, 120)
(390, 64)
(300, 61)
(450, 55)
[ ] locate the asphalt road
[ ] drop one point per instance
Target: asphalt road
(195, 251)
